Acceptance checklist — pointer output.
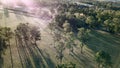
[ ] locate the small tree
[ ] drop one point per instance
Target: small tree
(52, 26)
(116, 22)
(69, 36)
(60, 49)
(109, 25)
(67, 28)
(90, 21)
(3, 46)
(9, 34)
(83, 36)
(103, 59)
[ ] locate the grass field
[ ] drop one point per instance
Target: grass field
(43, 55)
(101, 40)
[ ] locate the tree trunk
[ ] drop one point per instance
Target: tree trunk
(35, 42)
(98, 66)
(61, 56)
(61, 61)
(82, 48)
(71, 50)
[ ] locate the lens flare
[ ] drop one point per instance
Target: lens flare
(14, 3)
(29, 3)
(32, 8)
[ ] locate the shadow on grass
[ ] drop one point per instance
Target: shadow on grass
(45, 56)
(37, 56)
(103, 41)
(37, 59)
(82, 59)
(48, 60)
(100, 40)
(31, 56)
(1, 62)
(25, 56)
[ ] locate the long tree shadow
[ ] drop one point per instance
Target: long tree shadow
(82, 59)
(11, 57)
(16, 43)
(48, 60)
(1, 62)
(106, 42)
(31, 55)
(37, 59)
(101, 41)
(45, 56)
(25, 59)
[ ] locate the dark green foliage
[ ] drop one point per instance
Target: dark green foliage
(101, 16)
(68, 65)
(103, 59)
(91, 21)
(3, 46)
(83, 35)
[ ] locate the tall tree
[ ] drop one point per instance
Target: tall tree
(35, 34)
(69, 36)
(5, 36)
(9, 35)
(60, 49)
(83, 36)
(3, 44)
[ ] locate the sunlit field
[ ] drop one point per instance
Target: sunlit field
(59, 34)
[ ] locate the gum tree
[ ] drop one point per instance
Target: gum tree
(82, 36)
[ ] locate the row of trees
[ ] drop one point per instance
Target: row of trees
(74, 23)
(5, 36)
(96, 18)
(65, 39)
(102, 58)
(107, 20)
(28, 32)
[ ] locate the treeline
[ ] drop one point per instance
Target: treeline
(105, 4)
(89, 17)
(74, 22)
